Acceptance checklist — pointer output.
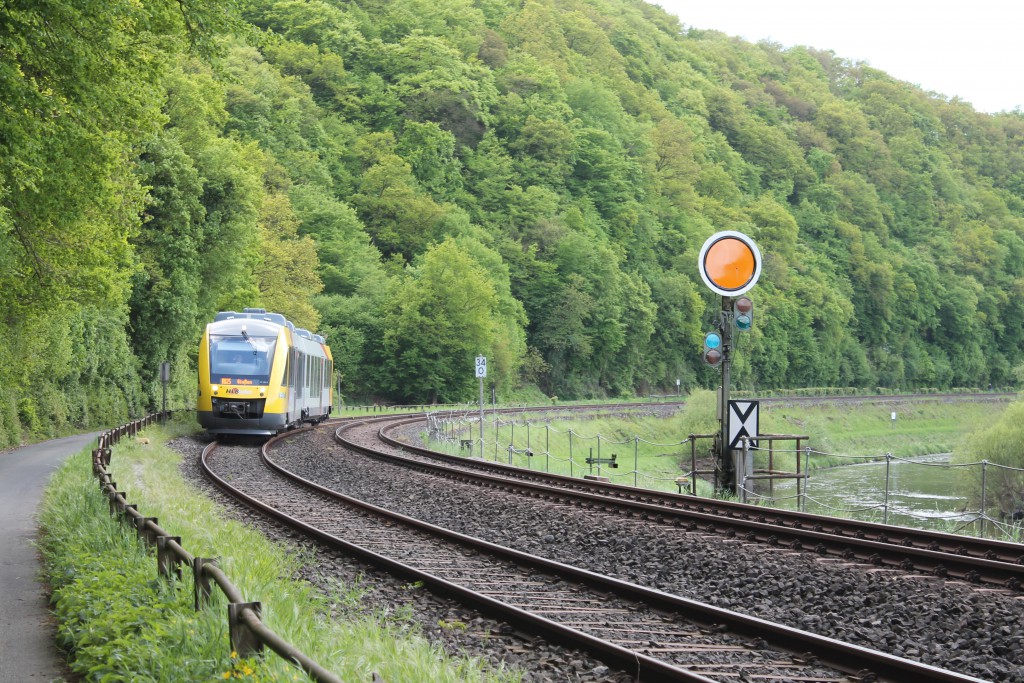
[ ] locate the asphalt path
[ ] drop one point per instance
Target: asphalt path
(27, 648)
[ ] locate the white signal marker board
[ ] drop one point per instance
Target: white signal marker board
(743, 421)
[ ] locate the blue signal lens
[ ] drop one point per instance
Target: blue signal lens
(712, 340)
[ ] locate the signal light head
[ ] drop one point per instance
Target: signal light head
(712, 349)
(743, 311)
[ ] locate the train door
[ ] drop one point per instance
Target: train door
(298, 381)
(320, 384)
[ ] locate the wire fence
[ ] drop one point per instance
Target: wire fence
(995, 493)
(524, 440)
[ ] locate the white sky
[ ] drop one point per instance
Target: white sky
(973, 50)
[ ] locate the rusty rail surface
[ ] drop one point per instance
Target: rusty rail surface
(248, 634)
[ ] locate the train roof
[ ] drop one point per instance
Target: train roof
(257, 321)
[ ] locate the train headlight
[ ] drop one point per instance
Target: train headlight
(214, 388)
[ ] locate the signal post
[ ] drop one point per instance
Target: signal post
(730, 265)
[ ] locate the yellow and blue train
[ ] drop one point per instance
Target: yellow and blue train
(260, 375)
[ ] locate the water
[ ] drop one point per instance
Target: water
(922, 493)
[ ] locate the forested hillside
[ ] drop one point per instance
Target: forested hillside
(424, 181)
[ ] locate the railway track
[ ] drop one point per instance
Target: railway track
(975, 560)
(654, 635)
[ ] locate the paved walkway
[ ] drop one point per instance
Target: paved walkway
(27, 649)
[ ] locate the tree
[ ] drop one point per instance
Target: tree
(285, 264)
(83, 87)
(442, 313)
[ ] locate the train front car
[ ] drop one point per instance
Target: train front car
(254, 376)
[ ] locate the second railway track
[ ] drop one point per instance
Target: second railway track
(644, 627)
(972, 559)
(932, 617)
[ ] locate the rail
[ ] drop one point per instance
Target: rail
(530, 444)
(248, 634)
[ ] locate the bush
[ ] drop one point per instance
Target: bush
(118, 621)
(28, 416)
(999, 443)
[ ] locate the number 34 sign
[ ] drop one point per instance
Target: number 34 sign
(481, 366)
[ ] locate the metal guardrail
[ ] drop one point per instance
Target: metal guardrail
(248, 634)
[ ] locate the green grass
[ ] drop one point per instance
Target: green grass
(649, 450)
(845, 433)
(653, 452)
(120, 622)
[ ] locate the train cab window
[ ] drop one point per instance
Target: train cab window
(241, 360)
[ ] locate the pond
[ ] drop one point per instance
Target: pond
(923, 493)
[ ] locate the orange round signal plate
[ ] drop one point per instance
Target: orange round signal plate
(730, 263)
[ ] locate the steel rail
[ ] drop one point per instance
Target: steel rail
(842, 656)
(249, 613)
(971, 559)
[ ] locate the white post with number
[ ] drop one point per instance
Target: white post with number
(481, 373)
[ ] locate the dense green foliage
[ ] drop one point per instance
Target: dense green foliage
(427, 181)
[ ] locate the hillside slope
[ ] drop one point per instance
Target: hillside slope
(427, 181)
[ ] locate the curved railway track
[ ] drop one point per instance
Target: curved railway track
(654, 635)
(971, 559)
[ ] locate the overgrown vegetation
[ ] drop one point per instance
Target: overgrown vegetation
(118, 621)
(428, 181)
(999, 440)
(920, 428)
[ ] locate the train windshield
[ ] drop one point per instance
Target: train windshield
(235, 359)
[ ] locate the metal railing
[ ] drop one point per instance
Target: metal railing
(532, 446)
(984, 469)
(248, 634)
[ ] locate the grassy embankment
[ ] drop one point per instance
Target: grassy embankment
(657, 447)
(119, 622)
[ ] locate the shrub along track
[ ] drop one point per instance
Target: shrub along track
(947, 623)
(645, 626)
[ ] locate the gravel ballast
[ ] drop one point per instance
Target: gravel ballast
(459, 630)
(943, 623)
